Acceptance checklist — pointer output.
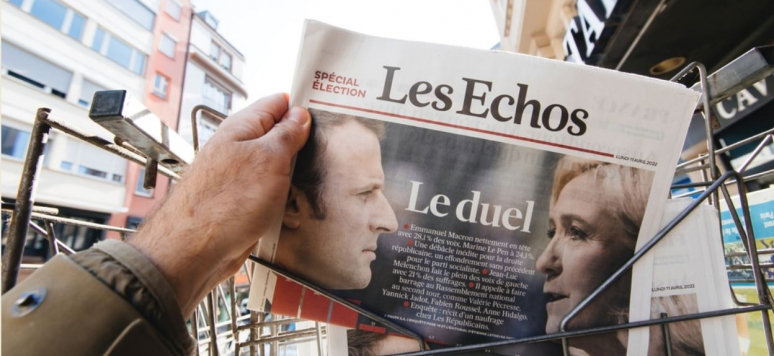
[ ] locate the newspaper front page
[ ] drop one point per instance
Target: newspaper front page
(472, 195)
(689, 276)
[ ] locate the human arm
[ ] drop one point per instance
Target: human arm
(134, 298)
(228, 198)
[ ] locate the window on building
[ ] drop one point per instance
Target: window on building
(225, 61)
(14, 142)
(216, 97)
(99, 39)
(206, 128)
(167, 45)
(136, 11)
(76, 27)
(210, 20)
(139, 63)
(214, 51)
(133, 222)
(50, 12)
(220, 56)
(119, 51)
(38, 72)
(139, 189)
(87, 92)
(78, 237)
(160, 86)
(92, 172)
(91, 161)
(173, 9)
(57, 16)
(118, 178)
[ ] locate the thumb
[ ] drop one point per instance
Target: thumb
(291, 132)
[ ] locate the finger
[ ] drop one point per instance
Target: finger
(291, 133)
(255, 120)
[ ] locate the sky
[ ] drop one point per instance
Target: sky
(268, 32)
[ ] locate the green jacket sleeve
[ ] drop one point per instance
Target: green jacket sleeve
(108, 300)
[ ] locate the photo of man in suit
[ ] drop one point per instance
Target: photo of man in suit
(336, 208)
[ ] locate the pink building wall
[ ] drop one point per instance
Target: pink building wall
(165, 108)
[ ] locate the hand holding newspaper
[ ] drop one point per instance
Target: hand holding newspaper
(470, 195)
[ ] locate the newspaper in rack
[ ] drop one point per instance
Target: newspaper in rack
(689, 276)
(471, 195)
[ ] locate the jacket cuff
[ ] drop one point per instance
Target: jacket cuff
(134, 277)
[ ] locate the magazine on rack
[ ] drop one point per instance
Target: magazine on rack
(471, 195)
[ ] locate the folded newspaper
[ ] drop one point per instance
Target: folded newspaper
(470, 195)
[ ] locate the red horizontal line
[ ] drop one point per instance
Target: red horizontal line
(373, 329)
(520, 138)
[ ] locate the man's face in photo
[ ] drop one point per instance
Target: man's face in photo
(336, 251)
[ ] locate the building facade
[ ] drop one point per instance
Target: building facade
(213, 77)
(57, 54)
(162, 94)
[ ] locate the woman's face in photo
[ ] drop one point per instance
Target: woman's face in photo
(587, 245)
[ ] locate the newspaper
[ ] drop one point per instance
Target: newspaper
(471, 195)
(689, 276)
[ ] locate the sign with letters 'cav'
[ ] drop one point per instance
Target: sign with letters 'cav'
(733, 109)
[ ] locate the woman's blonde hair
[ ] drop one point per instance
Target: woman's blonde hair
(625, 189)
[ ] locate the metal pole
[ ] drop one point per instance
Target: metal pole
(51, 239)
(592, 331)
(60, 245)
(212, 304)
(764, 296)
(195, 329)
(194, 124)
(106, 145)
(319, 339)
(667, 336)
(17, 232)
(252, 334)
(234, 330)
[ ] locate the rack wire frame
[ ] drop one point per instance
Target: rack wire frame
(204, 325)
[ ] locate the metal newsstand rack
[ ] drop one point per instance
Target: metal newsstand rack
(153, 150)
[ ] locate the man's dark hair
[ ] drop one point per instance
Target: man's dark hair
(363, 343)
(309, 173)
